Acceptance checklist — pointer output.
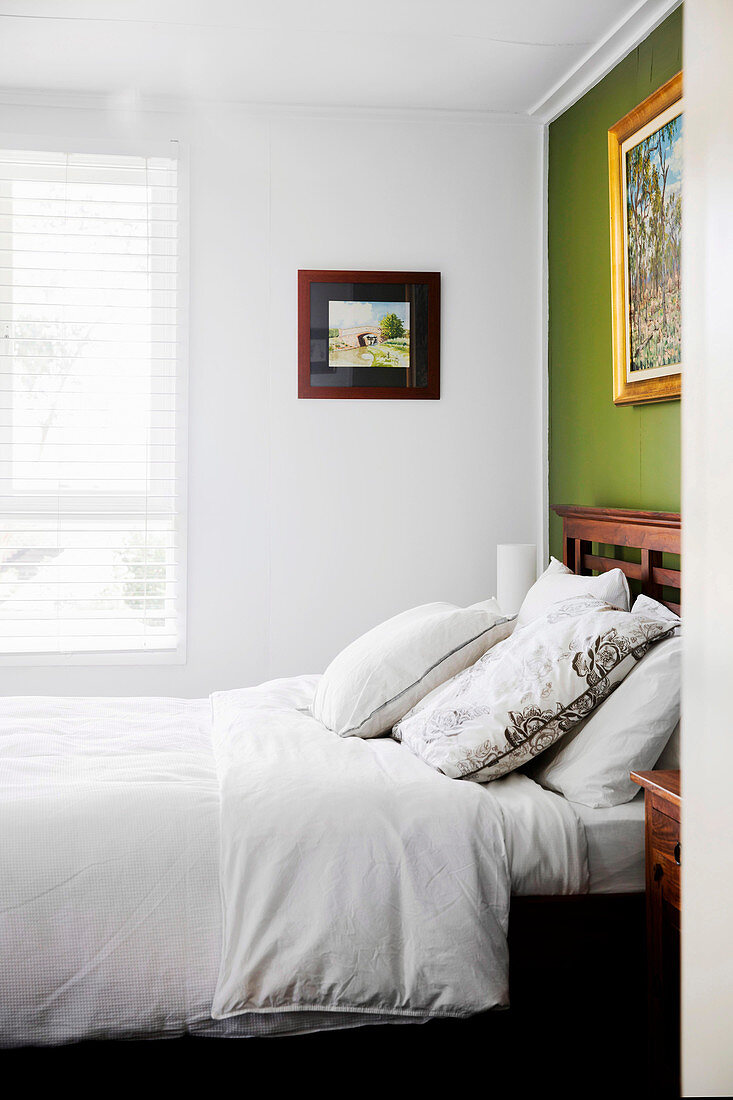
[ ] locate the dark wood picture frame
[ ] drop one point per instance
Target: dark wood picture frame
(427, 392)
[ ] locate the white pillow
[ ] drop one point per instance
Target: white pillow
(372, 683)
(670, 758)
(645, 605)
(522, 696)
(627, 733)
(560, 583)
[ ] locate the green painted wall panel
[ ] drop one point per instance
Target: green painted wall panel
(600, 453)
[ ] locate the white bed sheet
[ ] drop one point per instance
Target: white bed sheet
(615, 837)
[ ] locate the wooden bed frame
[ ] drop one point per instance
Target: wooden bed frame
(591, 932)
(653, 534)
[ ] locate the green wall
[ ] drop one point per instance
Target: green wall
(600, 453)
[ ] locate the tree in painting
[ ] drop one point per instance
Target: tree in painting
(654, 220)
(391, 327)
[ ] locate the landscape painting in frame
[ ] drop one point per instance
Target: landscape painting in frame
(645, 162)
(369, 334)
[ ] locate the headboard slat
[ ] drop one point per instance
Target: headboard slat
(670, 577)
(652, 533)
(632, 569)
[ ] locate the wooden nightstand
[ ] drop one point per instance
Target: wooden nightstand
(663, 858)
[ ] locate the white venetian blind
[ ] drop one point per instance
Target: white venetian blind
(89, 470)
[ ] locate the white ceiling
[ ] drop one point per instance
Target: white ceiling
(467, 55)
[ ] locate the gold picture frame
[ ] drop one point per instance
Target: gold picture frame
(645, 220)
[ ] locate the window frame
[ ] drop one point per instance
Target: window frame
(160, 148)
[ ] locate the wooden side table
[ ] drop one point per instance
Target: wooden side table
(662, 803)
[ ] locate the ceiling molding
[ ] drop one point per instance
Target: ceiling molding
(130, 105)
(603, 57)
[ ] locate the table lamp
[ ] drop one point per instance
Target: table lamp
(516, 572)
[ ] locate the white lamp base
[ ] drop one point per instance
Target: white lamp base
(516, 572)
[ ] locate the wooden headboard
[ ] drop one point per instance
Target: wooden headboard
(652, 533)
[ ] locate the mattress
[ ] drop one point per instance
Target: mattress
(615, 838)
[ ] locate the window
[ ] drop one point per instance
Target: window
(91, 480)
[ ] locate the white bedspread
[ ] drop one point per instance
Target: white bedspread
(109, 913)
(354, 877)
(110, 909)
(545, 838)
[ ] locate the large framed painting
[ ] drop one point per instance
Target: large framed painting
(645, 181)
(369, 334)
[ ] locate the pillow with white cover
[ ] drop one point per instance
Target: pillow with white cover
(628, 733)
(522, 696)
(372, 683)
(560, 583)
(670, 758)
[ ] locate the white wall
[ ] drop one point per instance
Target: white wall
(707, 459)
(309, 521)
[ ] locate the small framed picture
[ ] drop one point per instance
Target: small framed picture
(369, 334)
(645, 186)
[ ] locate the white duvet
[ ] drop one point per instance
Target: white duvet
(293, 881)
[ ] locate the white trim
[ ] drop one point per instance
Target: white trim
(53, 143)
(169, 104)
(543, 541)
(139, 657)
(602, 58)
(182, 418)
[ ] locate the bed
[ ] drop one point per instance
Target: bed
(122, 834)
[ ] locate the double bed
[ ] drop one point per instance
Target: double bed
(174, 867)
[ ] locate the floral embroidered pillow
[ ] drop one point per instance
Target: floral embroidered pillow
(529, 690)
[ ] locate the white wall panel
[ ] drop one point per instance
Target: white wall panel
(707, 458)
